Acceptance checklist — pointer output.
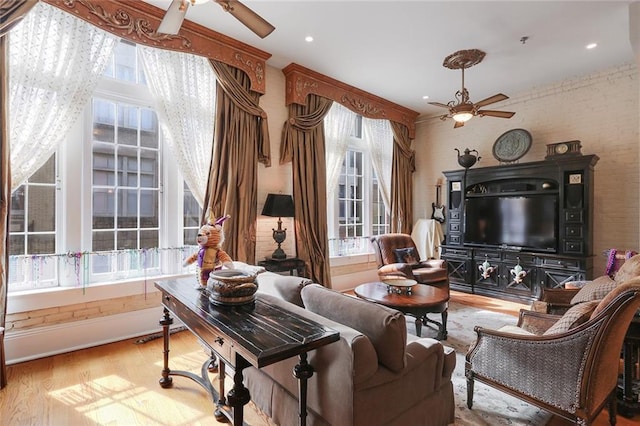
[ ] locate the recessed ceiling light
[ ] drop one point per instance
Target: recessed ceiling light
(308, 39)
(425, 97)
(592, 45)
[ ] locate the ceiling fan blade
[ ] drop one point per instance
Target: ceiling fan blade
(173, 18)
(499, 114)
(490, 100)
(438, 104)
(458, 124)
(248, 17)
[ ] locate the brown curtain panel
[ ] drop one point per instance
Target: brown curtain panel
(303, 144)
(241, 139)
(402, 180)
(11, 12)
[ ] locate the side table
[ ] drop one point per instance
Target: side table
(289, 264)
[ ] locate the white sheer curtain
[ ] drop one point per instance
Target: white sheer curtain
(379, 138)
(184, 87)
(55, 60)
(338, 127)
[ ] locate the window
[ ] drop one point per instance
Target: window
(94, 211)
(357, 210)
(32, 230)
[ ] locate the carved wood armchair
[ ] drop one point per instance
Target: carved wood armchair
(397, 256)
(572, 373)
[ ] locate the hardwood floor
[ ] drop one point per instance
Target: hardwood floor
(117, 384)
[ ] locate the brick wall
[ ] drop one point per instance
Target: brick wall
(601, 110)
(80, 311)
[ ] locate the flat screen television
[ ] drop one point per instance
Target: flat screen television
(525, 222)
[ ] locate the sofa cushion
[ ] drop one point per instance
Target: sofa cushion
(514, 329)
(594, 290)
(385, 327)
(613, 294)
(407, 255)
(576, 315)
(285, 287)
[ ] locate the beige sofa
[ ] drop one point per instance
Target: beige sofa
(375, 374)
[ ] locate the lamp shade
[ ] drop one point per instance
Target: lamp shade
(278, 205)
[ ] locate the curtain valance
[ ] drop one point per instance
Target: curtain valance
(137, 21)
(301, 81)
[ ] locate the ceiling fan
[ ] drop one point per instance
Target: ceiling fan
(174, 16)
(462, 109)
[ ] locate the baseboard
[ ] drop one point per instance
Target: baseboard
(26, 345)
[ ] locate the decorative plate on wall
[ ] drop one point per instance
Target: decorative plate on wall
(512, 145)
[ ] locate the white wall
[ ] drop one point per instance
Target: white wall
(601, 110)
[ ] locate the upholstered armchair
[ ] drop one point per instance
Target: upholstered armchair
(397, 256)
(567, 364)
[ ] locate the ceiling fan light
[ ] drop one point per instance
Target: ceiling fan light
(462, 117)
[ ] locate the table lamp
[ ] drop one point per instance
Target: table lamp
(279, 205)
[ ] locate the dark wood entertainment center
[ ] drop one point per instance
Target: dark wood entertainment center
(520, 271)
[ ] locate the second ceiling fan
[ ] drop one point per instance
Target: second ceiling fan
(174, 16)
(462, 109)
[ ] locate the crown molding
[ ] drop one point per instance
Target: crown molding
(301, 81)
(137, 21)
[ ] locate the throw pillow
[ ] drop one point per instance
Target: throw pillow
(407, 255)
(629, 269)
(594, 290)
(575, 316)
(386, 328)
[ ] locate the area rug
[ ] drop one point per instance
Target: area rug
(490, 406)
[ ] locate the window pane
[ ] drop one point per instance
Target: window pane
(149, 209)
(103, 208)
(127, 208)
(127, 240)
(127, 125)
(17, 223)
(189, 236)
(128, 167)
(42, 208)
(149, 239)
(149, 168)
(46, 173)
(104, 120)
(41, 244)
(104, 164)
(103, 241)
(191, 211)
(148, 129)
(125, 61)
(16, 244)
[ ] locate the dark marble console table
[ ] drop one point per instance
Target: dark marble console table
(256, 334)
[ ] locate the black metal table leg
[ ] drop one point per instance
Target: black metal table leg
(442, 332)
(303, 372)
(166, 381)
(239, 395)
(219, 413)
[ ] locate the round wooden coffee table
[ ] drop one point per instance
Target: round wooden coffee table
(422, 300)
